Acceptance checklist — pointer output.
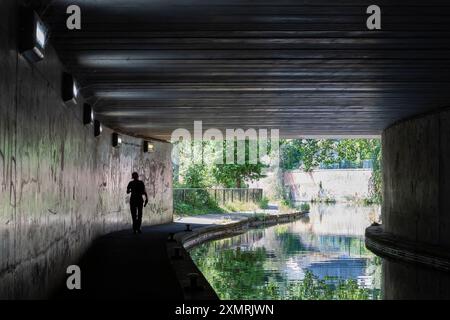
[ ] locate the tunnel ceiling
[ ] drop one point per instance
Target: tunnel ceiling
(305, 67)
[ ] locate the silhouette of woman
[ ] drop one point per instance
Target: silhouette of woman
(137, 188)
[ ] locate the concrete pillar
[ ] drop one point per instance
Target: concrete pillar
(406, 281)
(416, 208)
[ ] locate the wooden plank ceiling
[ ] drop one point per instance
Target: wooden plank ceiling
(306, 67)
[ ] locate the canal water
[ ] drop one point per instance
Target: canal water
(321, 256)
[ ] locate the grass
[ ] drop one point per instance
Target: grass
(264, 203)
(238, 206)
(199, 208)
(204, 205)
(187, 209)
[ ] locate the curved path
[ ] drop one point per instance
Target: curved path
(122, 265)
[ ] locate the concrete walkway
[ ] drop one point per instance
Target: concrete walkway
(122, 265)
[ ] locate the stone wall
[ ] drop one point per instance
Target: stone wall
(60, 187)
(339, 184)
(416, 162)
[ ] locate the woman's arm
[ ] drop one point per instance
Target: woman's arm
(146, 196)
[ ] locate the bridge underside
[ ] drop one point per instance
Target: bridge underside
(304, 67)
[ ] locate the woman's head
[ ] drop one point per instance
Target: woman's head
(135, 175)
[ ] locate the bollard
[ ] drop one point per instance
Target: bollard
(177, 253)
(188, 227)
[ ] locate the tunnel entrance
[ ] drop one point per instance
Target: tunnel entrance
(335, 183)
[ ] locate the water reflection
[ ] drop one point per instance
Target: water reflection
(322, 256)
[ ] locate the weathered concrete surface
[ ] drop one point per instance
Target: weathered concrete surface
(60, 186)
(338, 184)
(416, 157)
(403, 281)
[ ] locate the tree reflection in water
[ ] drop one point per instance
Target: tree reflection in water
(291, 261)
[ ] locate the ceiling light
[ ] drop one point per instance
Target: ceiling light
(69, 89)
(116, 140)
(33, 35)
(148, 147)
(97, 128)
(88, 114)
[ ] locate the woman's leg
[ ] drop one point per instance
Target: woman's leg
(133, 209)
(139, 217)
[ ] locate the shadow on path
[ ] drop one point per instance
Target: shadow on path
(122, 265)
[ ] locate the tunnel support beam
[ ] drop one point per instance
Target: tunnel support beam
(416, 206)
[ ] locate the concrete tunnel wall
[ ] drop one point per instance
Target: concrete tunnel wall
(60, 187)
(416, 173)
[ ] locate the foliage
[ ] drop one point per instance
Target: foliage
(305, 207)
(183, 208)
(238, 274)
(240, 206)
(197, 168)
(326, 200)
(234, 175)
(260, 216)
(196, 202)
(196, 176)
(286, 204)
(377, 177)
(191, 171)
(313, 288)
(233, 274)
(200, 166)
(308, 154)
(356, 150)
(200, 201)
(189, 208)
(264, 203)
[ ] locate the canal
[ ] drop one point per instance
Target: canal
(320, 256)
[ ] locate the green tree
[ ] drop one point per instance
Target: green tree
(194, 168)
(356, 150)
(234, 175)
(290, 154)
(198, 166)
(197, 176)
(308, 153)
